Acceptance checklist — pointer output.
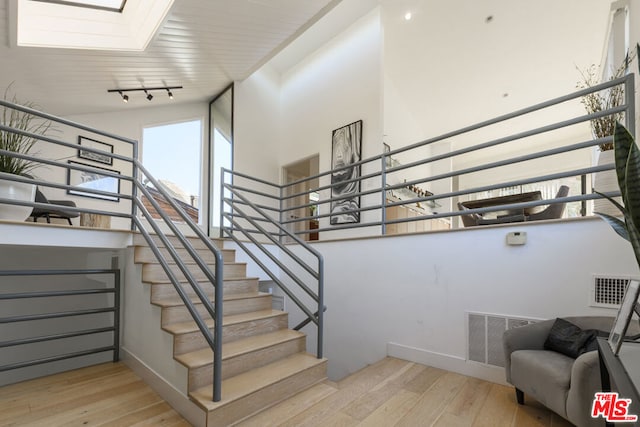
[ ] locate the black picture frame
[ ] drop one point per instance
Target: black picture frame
(83, 141)
(625, 312)
(346, 149)
(94, 180)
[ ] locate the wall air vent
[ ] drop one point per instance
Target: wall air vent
(484, 336)
(608, 291)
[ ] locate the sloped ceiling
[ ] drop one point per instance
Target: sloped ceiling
(203, 45)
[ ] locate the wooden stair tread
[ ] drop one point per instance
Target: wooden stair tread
(232, 349)
(226, 279)
(177, 302)
(187, 327)
(254, 380)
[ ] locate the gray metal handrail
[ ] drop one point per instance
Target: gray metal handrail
(236, 214)
(80, 311)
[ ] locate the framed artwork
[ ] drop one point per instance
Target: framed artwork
(623, 318)
(93, 179)
(345, 184)
(97, 145)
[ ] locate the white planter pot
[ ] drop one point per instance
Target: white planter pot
(16, 191)
(605, 182)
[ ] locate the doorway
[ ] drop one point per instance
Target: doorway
(294, 172)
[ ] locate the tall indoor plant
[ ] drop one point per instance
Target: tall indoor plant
(20, 144)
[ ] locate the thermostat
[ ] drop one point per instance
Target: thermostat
(516, 238)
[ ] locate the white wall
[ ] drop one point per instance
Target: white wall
(258, 124)
(414, 290)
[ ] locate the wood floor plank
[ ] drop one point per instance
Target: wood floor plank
(370, 401)
(433, 402)
(350, 388)
(106, 394)
(392, 410)
(464, 408)
(533, 414)
(499, 409)
(288, 409)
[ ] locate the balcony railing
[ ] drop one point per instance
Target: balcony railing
(539, 153)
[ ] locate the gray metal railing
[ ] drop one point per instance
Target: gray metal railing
(113, 308)
(292, 272)
(133, 181)
(398, 178)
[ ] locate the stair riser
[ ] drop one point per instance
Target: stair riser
(230, 287)
(245, 305)
(155, 273)
(242, 408)
(192, 341)
(144, 255)
(200, 377)
(138, 240)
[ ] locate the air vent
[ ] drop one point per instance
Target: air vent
(608, 291)
(484, 339)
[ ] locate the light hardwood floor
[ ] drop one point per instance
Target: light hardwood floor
(391, 392)
(103, 395)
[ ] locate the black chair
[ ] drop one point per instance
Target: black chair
(55, 211)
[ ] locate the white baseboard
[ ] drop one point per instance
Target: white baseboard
(447, 362)
(178, 401)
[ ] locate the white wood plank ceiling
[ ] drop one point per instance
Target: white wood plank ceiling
(203, 45)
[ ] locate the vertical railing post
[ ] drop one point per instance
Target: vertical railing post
(222, 190)
(134, 188)
(383, 192)
(319, 351)
(116, 315)
(281, 213)
(217, 330)
(629, 95)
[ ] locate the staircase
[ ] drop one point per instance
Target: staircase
(264, 362)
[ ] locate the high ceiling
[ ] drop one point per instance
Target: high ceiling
(203, 45)
(479, 58)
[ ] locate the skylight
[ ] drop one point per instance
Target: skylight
(108, 5)
(90, 24)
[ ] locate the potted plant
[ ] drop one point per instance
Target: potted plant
(9, 165)
(603, 127)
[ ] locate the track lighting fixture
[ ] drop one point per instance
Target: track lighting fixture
(146, 90)
(125, 98)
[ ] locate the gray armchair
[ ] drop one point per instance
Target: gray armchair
(561, 383)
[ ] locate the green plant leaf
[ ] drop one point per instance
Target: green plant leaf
(622, 141)
(617, 224)
(612, 200)
(632, 201)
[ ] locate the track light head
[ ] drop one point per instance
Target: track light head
(149, 96)
(170, 94)
(125, 98)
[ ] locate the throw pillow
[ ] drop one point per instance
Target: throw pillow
(568, 339)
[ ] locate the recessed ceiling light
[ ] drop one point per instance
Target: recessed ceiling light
(407, 16)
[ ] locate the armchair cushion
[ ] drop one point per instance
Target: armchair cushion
(544, 374)
(568, 339)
